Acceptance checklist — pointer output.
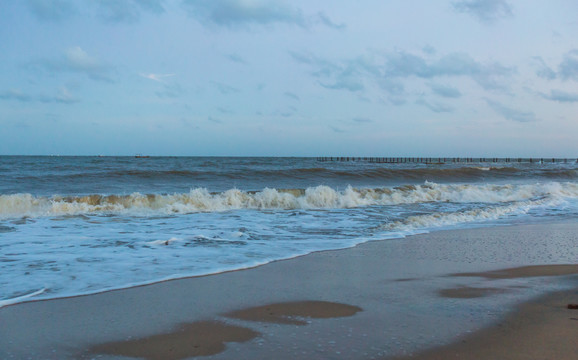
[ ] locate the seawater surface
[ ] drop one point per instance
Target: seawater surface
(79, 225)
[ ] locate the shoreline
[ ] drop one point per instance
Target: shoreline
(397, 285)
(14, 301)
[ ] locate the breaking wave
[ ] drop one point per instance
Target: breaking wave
(320, 197)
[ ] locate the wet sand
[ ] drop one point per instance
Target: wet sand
(541, 329)
(465, 294)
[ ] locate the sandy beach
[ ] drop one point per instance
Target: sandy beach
(487, 293)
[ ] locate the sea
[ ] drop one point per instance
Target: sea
(81, 225)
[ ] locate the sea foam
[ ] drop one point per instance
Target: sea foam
(319, 197)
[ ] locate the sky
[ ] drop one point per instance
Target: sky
(492, 78)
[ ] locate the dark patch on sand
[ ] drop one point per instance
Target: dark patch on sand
(539, 329)
(466, 292)
(525, 271)
(295, 312)
(201, 338)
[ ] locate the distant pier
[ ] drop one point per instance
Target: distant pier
(442, 160)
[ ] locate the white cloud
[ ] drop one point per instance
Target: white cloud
(156, 77)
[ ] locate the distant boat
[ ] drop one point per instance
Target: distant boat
(141, 156)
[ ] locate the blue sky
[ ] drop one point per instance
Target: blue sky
(289, 78)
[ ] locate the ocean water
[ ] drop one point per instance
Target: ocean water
(80, 225)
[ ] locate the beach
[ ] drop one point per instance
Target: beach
(382, 299)
(271, 179)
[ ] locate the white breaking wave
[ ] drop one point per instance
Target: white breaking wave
(320, 197)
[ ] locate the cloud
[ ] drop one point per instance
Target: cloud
(172, 91)
(118, 11)
(323, 19)
(291, 95)
(214, 120)
(231, 13)
(445, 91)
(76, 60)
(389, 70)
(112, 11)
(236, 59)
(395, 90)
(239, 13)
(511, 114)
(435, 107)
(486, 11)
(347, 75)
(62, 97)
(156, 77)
(345, 82)
(336, 129)
(568, 69)
(428, 49)
(225, 89)
(154, 6)
(561, 96)
(403, 64)
(15, 94)
(322, 68)
(51, 10)
(544, 71)
(285, 113)
(225, 110)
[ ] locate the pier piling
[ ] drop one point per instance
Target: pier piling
(440, 160)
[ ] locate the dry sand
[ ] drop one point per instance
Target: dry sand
(377, 300)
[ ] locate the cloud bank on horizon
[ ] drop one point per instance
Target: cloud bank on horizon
(289, 78)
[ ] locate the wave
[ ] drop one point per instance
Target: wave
(442, 219)
(319, 197)
(17, 299)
